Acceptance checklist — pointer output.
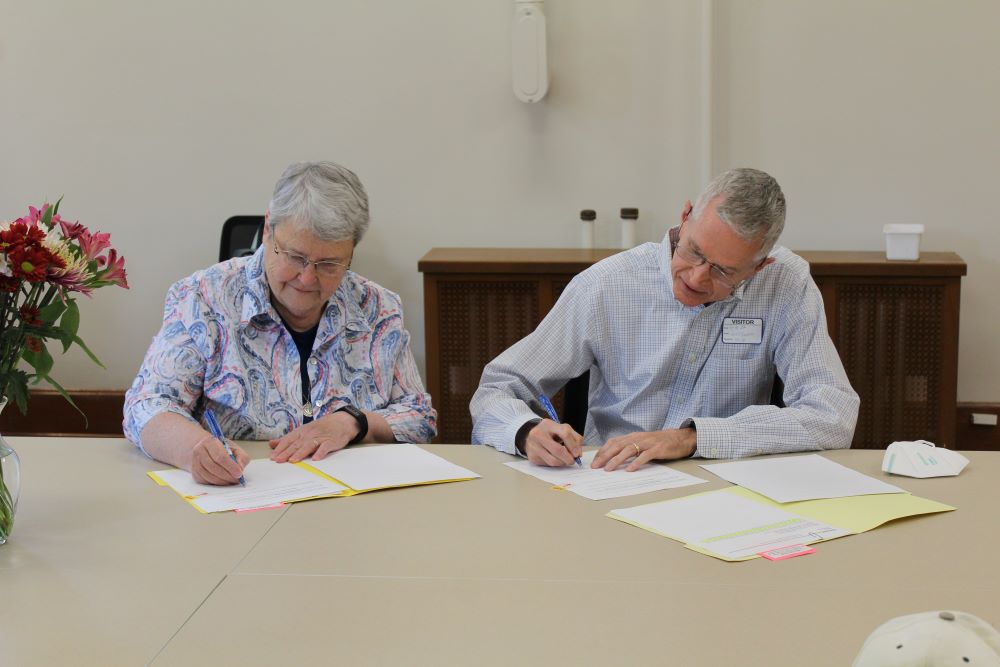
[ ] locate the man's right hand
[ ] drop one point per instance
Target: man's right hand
(210, 464)
(552, 444)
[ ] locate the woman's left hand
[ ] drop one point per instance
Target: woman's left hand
(317, 438)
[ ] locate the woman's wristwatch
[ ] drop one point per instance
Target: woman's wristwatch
(359, 417)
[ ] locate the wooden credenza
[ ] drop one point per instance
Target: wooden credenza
(895, 325)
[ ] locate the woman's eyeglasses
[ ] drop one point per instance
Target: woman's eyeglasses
(325, 267)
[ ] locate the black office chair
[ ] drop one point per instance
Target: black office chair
(778, 392)
(241, 235)
(575, 402)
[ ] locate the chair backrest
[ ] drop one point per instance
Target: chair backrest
(575, 402)
(241, 234)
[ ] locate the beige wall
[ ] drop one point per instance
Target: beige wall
(158, 120)
(875, 111)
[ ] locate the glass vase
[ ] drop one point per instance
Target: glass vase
(10, 485)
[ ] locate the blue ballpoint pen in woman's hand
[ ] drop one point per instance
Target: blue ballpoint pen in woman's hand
(213, 426)
(548, 407)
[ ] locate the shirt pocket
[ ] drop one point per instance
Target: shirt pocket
(741, 372)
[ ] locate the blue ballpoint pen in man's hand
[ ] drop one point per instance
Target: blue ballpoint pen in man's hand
(213, 426)
(547, 405)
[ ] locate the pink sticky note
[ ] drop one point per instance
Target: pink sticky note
(781, 553)
(257, 509)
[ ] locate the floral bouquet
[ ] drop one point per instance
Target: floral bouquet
(44, 262)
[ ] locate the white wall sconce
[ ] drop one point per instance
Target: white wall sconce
(529, 61)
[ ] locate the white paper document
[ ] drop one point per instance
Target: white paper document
(600, 485)
(787, 479)
(268, 483)
(385, 466)
(727, 525)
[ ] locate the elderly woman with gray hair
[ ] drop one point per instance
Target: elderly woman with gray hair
(288, 345)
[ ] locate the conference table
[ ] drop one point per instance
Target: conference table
(106, 568)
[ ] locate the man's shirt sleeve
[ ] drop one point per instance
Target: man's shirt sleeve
(558, 350)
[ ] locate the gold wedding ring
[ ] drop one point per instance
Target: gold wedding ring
(637, 450)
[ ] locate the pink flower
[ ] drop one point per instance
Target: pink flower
(71, 230)
(92, 244)
(115, 273)
(34, 215)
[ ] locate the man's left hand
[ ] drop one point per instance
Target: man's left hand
(317, 438)
(674, 443)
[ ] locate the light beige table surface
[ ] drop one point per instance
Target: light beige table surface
(103, 566)
(498, 570)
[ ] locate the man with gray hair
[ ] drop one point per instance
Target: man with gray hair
(288, 345)
(683, 340)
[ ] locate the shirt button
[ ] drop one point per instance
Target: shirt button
(692, 357)
(312, 361)
(319, 404)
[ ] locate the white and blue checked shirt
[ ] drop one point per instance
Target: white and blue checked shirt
(655, 364)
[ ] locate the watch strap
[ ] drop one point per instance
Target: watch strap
(359, 417)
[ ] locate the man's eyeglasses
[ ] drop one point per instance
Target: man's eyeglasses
(695, 258)
(327, 268)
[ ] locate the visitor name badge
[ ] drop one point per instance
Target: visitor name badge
(742, 330)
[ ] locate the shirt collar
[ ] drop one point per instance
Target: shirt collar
(256, 297)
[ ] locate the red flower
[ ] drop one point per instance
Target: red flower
(33, 344)
(29, 315)
(9, 284)
(20, 233)
(30, 263)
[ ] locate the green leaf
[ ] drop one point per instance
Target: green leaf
(17, 389)
(41, 361)
(64, 394)
(70, 322)
(50, 313)
(55, 209)
(93, 357)
(47, 217)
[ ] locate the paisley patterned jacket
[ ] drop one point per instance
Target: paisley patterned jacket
(223, 346)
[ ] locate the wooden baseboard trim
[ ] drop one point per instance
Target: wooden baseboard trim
(974, 436)
(50, 415)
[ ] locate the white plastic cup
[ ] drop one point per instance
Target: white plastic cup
(902, 241)
(629, 217)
